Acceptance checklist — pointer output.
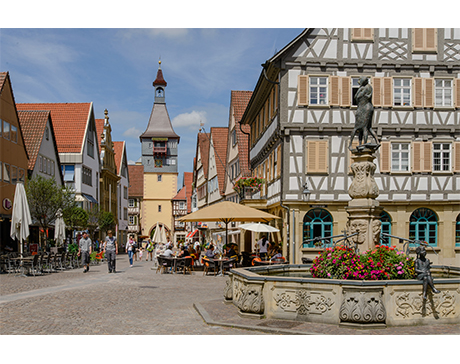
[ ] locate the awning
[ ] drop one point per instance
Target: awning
(89, 198)
(191, 233)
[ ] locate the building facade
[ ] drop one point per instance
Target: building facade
(13, 159)
(121, 161)
(75, 131)
(302, 115)
(159, 145)
(135, 199)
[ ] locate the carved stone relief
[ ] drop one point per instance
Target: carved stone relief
(303, 302)
(358, 226)
(363, 185)
(248, 297)
(410, 304)
(228, 289)
(362, 307)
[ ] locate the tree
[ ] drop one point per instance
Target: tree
(106, 221)
(45, 198)
(75, 218)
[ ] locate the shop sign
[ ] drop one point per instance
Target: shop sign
(7, 204)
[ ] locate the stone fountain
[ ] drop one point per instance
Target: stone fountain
(289, 292)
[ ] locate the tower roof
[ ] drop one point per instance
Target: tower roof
(159, 123)
(160, 79)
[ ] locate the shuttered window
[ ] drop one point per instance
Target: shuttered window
(382, 91)
(385, 157)
(302, 90)
(423, 92)
(362, 34)
(457, 157)
(424, 40)
(421, 161)
(278, 165)
(317, 156)
(340, 91)
(457, 92)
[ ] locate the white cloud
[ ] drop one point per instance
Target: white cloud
(132, 132)
(190, 120)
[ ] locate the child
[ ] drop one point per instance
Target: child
(141, 252)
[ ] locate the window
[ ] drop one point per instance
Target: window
(14, 175)
(400, 157)
(354, 89)
(317, 156)
(233, 137)
(22, 175)
(457, 231)
(90, 145)
(182, 205)
(159, 208)
(159, 178)
(6, 130)
(6, 172)
(441, 156)
(443, 92)
(424, 226)
(14, 134)
(131, 202)
(318, 91)
(132, 220)
(424, 40)
(317, 223)
(68, 172)
(401, 91)
(87, 176)
(125, 192)
(362, 34)
(385, 219)
(125, 213)
(47, 133)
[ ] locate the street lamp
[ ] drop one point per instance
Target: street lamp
(306, 192)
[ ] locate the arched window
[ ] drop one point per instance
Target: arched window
(424, 226)
(457, 231)
(385, 219)
(317, 223)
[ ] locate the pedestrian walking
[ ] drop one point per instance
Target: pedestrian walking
(150, 248)
(85, 248)
(130, 249)
(111, 251)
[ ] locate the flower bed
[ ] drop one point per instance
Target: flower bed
(381, 263)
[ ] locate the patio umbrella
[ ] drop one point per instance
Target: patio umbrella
(259, 228)
(156, 236)
(227, 212)
(59, 228)
(20, 219)
(163, 235)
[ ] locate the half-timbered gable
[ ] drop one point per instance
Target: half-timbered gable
(415, 76)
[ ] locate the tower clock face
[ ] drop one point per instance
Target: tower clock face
(158, 163)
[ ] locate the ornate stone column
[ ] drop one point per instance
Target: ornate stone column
(363, 209)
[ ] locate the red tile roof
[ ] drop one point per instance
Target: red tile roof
(219, 141)
(239, 102)
(203, 144)
(181, 195)
(118, 148)
(188, 180)
(136, 180)
(69, 122)
(99, 131)
(33, 125)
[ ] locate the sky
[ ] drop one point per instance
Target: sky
(114, 68)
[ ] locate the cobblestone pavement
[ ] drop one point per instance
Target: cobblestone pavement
(140, 301)
(135, 300)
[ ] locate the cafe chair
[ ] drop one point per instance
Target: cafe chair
(229, 264)
(256, 261)
(209, 265)
(31, 264)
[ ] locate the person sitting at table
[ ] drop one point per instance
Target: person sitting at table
(184, 252)
(278, 254)
(168, 253)
(230, 252)
(210, 252)
(272, 250)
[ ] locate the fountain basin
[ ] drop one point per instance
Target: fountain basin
(287, 292)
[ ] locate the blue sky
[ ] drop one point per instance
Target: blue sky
(115, 68)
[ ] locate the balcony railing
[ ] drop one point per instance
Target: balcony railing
(160, 150)
(249, 193)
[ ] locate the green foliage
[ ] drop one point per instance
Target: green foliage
(253, 182)
(72, 248)
(76, 218)
(106, 221)
(45, 198)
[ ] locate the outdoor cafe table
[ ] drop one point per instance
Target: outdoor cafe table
(220, 261)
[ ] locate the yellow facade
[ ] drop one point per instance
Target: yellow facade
(159, 190)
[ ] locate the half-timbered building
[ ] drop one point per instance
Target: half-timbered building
(302, 113)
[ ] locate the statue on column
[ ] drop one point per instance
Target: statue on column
(422, 269)
(364, 114)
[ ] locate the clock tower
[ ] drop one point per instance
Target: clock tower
(159, 145)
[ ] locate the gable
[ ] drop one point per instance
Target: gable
(70, 121)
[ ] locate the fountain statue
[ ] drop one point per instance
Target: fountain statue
(363, 209)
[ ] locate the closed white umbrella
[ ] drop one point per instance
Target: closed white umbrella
(259, 228)
(59, 228)
(20, 220)
(163, 235)
(157, 235)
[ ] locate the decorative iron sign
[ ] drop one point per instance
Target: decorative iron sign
(7, 204)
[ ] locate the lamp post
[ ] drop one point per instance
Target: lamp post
(306, 192)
